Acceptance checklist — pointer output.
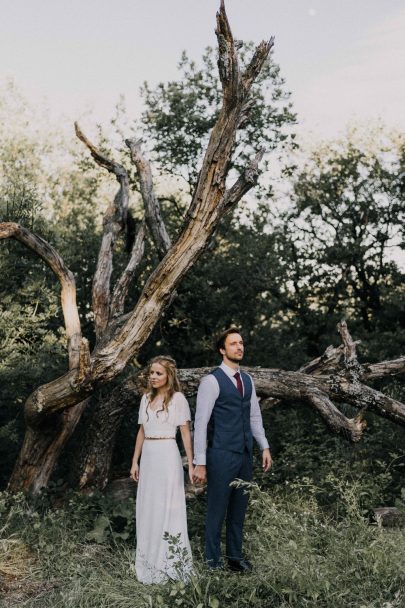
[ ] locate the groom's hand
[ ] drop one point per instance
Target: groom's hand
(267, 460)
(200, 474)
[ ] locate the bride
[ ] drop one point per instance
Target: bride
(163, 548)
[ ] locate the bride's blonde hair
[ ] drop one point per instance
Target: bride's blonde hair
(173, 383)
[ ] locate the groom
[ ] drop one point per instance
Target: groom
(229, 416)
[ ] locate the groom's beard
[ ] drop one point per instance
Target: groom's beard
(235, 360)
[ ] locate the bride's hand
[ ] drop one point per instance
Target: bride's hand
(191, 472)
(134, 474)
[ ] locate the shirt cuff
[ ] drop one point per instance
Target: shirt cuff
(263, 444)
(199, 459)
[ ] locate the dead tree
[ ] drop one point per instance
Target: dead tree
(53, 410)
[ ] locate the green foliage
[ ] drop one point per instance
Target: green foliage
(306, 454)
(303, 555)
(116, 521)
(342, 237)
(32, 352)
(58, 200)
(180, 114)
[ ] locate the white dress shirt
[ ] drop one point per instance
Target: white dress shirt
(208, 393)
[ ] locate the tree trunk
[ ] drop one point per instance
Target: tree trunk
(91, 464)
(117, 343)
(41, 450)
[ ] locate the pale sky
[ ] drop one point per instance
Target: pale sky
(343, 59)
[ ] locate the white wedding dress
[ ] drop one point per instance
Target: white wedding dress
(160, 501)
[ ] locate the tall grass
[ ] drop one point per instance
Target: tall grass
(303, 557)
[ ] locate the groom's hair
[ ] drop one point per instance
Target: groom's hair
(220, 343)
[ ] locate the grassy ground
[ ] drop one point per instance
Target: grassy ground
(81, 555)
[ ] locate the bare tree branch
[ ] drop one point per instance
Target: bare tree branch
(350, 355)
(244, 182)
(330, 360)
(99, 157)
(114, 223)
(66, 278)
(122, 286)
(259, 57)
(228, 65)
(202, 218)
(372, 371)
(152, 208)
(350, 428)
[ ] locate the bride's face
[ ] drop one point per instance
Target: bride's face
(157, 376)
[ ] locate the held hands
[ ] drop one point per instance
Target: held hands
(134, 474)
(267, 460)
(191, 472)
(200, 474)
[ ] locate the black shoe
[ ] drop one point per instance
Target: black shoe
(215, 565)
(242, 565)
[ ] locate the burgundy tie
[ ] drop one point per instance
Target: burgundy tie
(238, 383)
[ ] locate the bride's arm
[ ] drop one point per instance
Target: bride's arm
(188, 447)
(140, 438)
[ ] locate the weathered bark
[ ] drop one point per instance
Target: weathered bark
(118, 342)
(41, 450)
(91, 465)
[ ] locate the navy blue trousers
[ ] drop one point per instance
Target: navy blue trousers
(223, 467)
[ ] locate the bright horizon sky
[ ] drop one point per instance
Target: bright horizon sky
(343, 60)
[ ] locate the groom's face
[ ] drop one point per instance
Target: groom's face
(233, 349)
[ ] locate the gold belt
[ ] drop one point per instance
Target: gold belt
(160, 437)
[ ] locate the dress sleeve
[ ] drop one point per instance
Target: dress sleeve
(182, 410)
(142, 409)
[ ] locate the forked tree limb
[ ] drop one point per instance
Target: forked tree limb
(321, 392)
(46, 446)
(334, 358)
(101, 159)
(337, 422)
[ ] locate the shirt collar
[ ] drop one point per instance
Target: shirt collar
(229, 370)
